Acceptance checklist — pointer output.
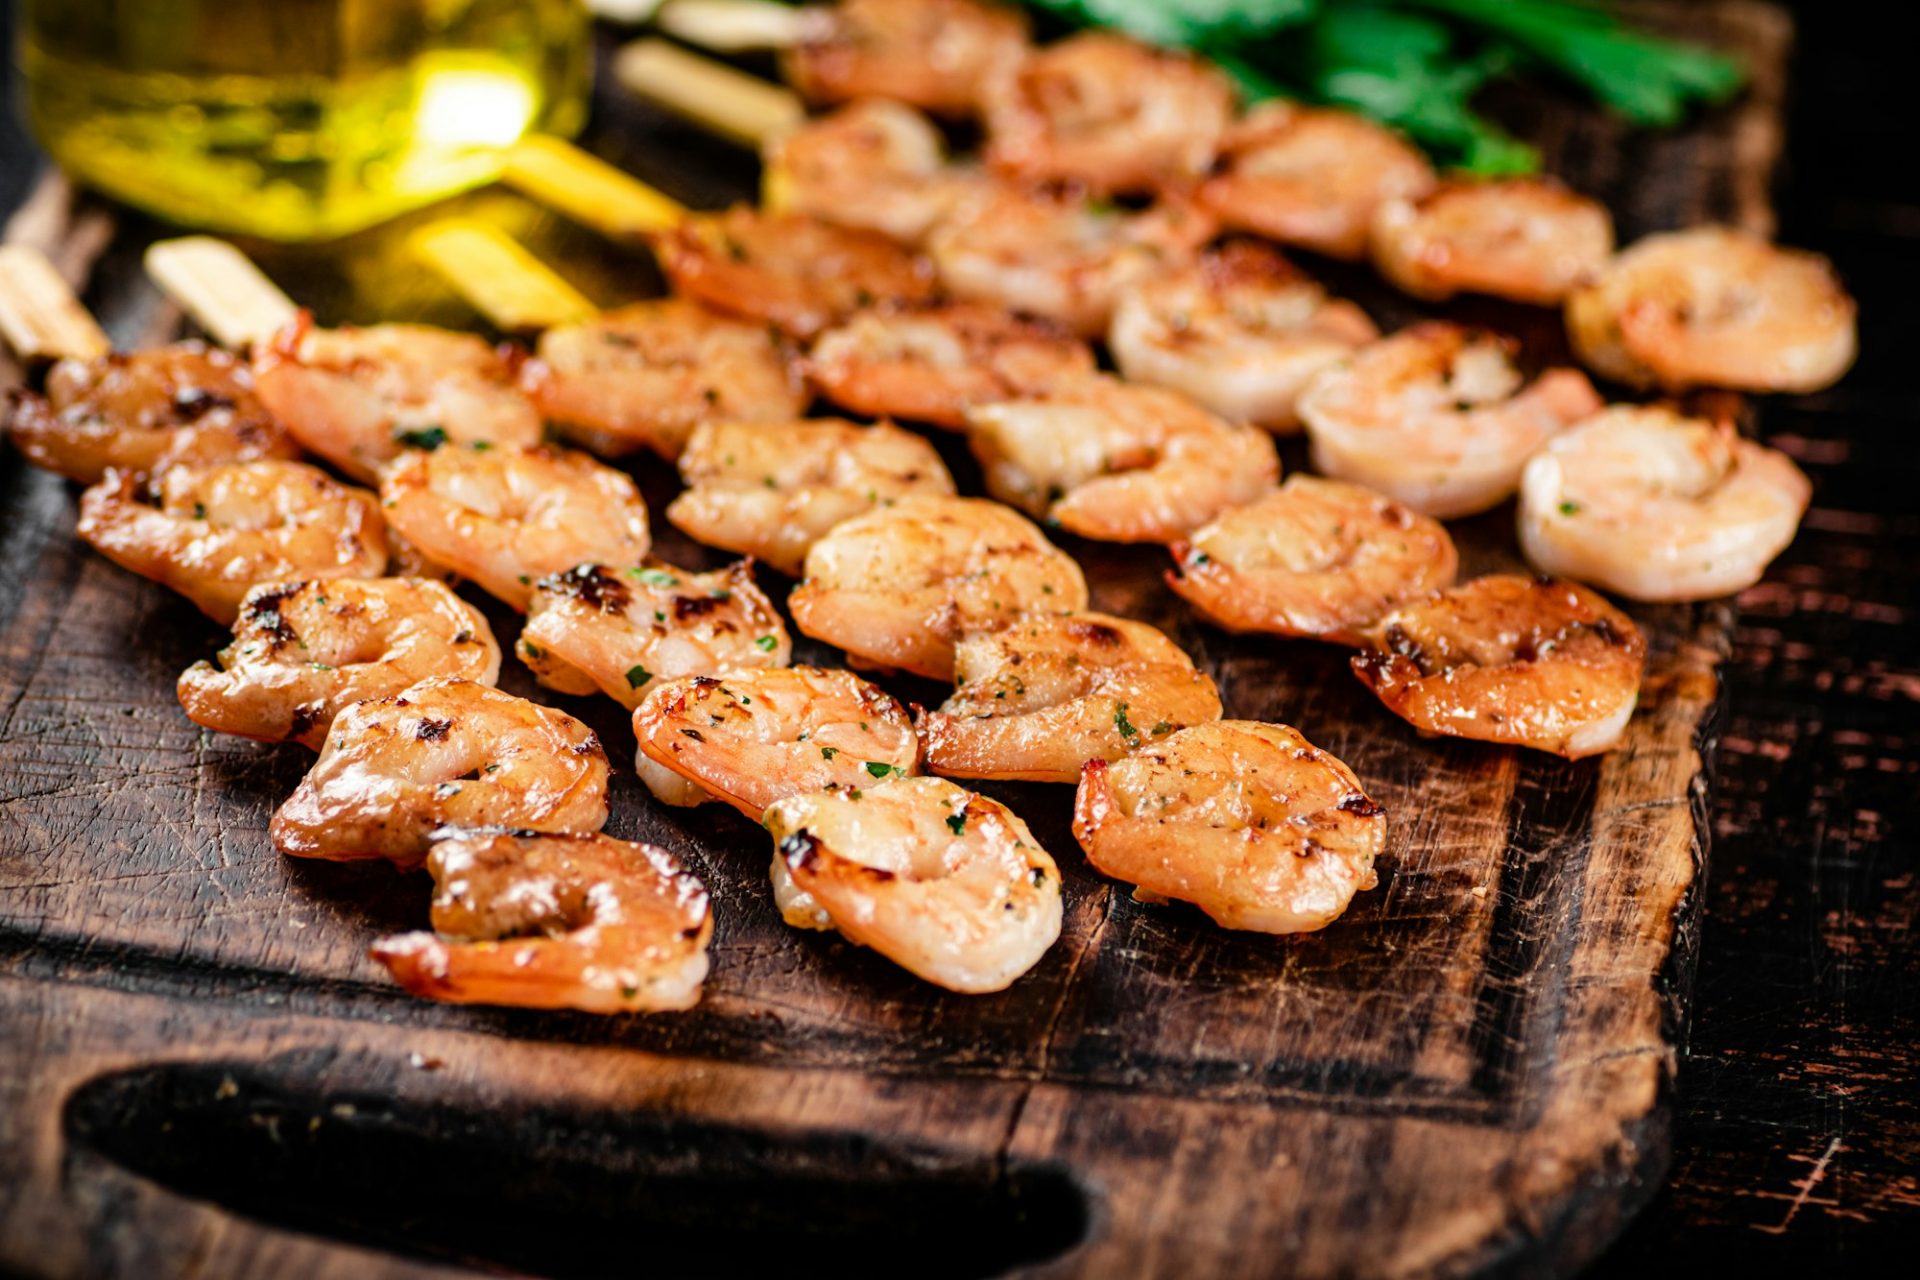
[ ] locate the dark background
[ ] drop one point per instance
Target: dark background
(1798, 1118)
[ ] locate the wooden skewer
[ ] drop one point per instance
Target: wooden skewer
(498, 276)
(221, 288)
(39, 316)
(730, 102)
(733, 26)
(589, 190)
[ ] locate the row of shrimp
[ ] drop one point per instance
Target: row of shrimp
(1097, 115)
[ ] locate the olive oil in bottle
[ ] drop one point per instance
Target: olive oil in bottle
(297, 119)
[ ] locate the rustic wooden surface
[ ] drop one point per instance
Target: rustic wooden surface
(1235, 1105)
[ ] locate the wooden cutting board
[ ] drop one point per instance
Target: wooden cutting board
(200, 1073)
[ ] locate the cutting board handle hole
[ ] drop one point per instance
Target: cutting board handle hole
(567, 1193)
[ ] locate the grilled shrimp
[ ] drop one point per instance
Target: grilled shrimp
(1714, 306)
(1106, 113)
(213, 533)
(1436, 417)
(645, 375)
(556, 922)
(875, 165)
(1311, 176)
(933, 54)
(1120, 463)
(184, 404)
(932, 364)
(1533, 662)
(949, 885)
(617, 630)
(1249, 822)
(444, 752)
(1529, 239)
(796, 273)
(895, 587)
(1319, 558)
(771, 491)
(1058, 255)
(509, 517)
(304, 651)
(357, 397)
(759, 736)
(1242, 332)
(1041, 695)
(1656, 506)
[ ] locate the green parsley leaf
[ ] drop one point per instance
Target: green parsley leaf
(637, 675)
(428, 438)
(766, 644)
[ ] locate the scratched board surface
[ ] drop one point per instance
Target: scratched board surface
(1469, 1069)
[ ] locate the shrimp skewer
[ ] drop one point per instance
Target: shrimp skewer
(444, 752)
(614, 630)
(1533, 662)
(1039, 696)
(508, 517)
(1656, 506)
(934, 363)
(1318, 558)
(545, 921)
(1242, 331)
(302, 652)
(1249, 822)
(1437, 417)
(947, 884)
(873, 165)
(214, 533)
(772, 490)
(1120, 463)
(933, 54)
(357, 397)
(645, 375)
(756, 737)
(897, 586)
(1714, 306)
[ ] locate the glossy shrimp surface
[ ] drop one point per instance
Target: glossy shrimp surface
(895, 587)
(1528, 239)
(1311, 176)
(947, 884)
(1108, 114)
(1120, 463)
(772, 490)
(1242, 331)
(1041, 695)
(188, 403)
(933, 363)
(358, 397)
(304, 651)
(508, 517)
(1532, 662)
(799, 274)
(618, 629)
(1438, 417)
(1058, 255)
(645, 375)
(1249, 822)
(932, 54)
(875, 165)
(1317, 558)
(557, 922)
(1653, 505)
(1714, 306)
(444, 752)
(755, 737)
(214, 533)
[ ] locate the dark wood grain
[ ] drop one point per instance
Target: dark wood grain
(1470, 1069)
